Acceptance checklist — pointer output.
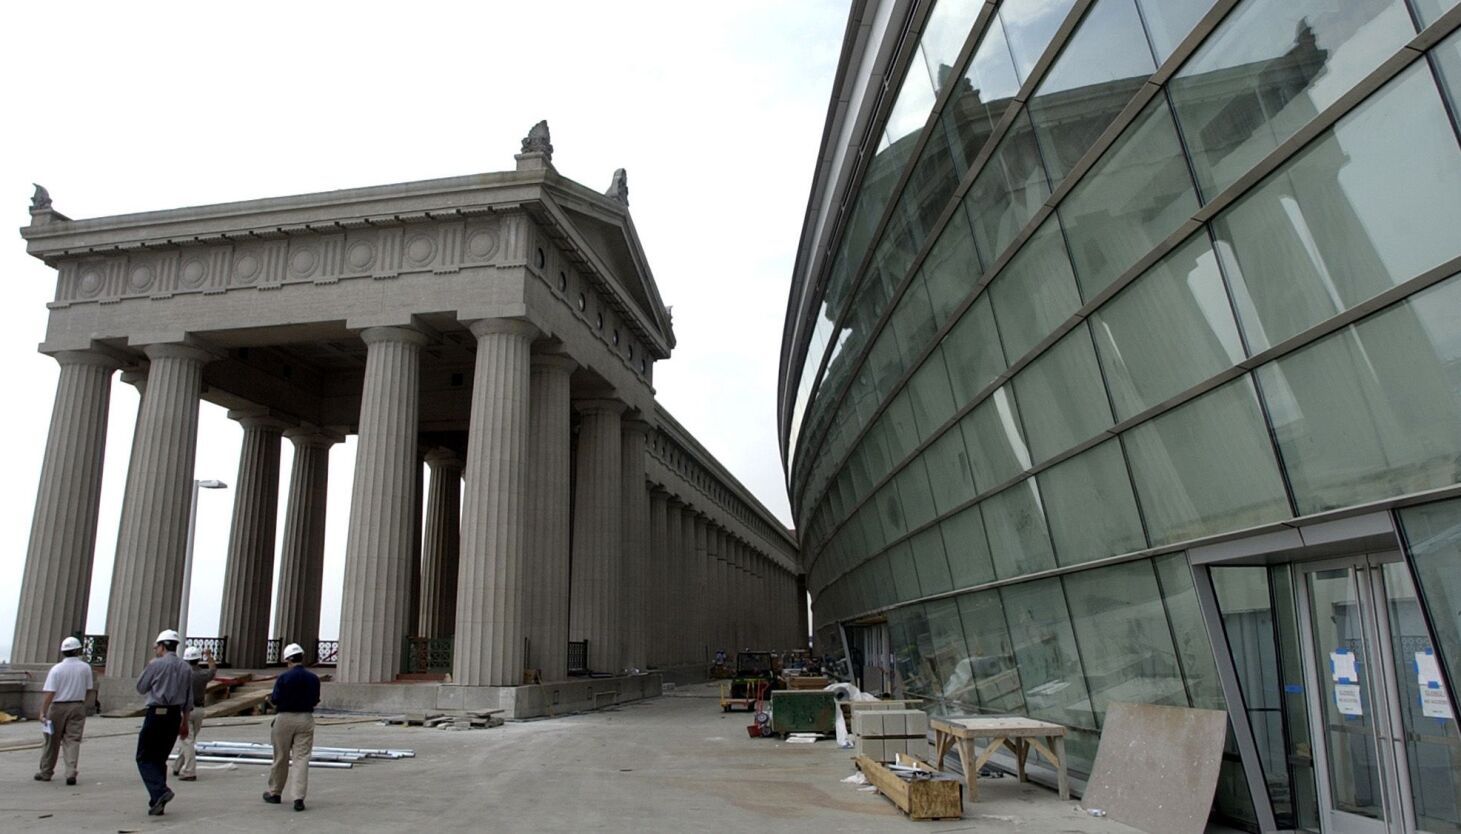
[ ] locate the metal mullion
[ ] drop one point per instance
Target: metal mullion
(1172, 632)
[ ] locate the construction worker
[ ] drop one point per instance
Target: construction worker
(185, 766)
(69, 686)
(296, 692)
(168, 684)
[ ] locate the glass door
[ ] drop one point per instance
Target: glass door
(1384, 737)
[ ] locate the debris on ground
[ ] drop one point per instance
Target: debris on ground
(455, 720)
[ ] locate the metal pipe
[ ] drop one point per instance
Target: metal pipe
(242, 760)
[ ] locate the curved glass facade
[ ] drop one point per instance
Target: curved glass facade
(1126, 278)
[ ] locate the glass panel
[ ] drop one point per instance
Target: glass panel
(905, 571)
(972, 352)
(1190, 634)
(944, 34)
(1345, 688)
(991, 668)
(1167, 331)
(951, 268)
(913, 321)
(1430, 10)
(1018, 539)
(1206, 467)
(983, 95)
(1169, 21)
(1035, 292)
(1061, 396)
(1103, 63)
(995, 441)
(1133, 198)
(1447, 56)
(1050, 672)
(948, 471)
(902, 432)
(1008, 192)
(913, 104)
(930, 395)
(1091, 508)
(1126, 647)
(908, 632)
(1432, 742)
(1373, 410)
(946, 638)
(1030, 24)
(933, 568)
(1342, 222)
(914, 495)
(1269, 68)
(1298, 806)
(967, 548)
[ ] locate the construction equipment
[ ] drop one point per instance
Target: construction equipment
(803, 711)
(754, 680)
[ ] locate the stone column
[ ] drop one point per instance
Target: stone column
(597, 543)
(490, 599)
(549, 494)
(248, 577)
(413, 599)
(658, 596)
(374, 603)
(700, 585)
(441, 545)
(57, 580)
(147, 578)
(633, 602)
(302, 557)
(716, 596)
(689, 599)
(674, 578)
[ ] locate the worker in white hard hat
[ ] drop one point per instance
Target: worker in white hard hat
(168, 684)
(69, 686)
(185, 766)
(296, 692)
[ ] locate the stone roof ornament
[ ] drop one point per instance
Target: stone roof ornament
(619, 188)
(41, 200)
(41, 211)
(537, 152)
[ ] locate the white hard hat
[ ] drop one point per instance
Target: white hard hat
(168, 636)
(70, 644)
(293, 650)
(192, 653)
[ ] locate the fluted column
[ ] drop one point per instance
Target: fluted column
(715, 596)
(490, 599)
(147, 578)
(738, 594)
(633, 602)
(549, 494)
(302, 554)
(57, 580)
(597, 542)
(441, 545)
(700, 586)
(689, 600)
(248, 577)
(374, 605)
(659, 590)
(675, 591)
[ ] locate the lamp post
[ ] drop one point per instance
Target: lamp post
(188, 559)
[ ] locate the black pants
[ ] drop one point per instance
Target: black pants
(154, 743)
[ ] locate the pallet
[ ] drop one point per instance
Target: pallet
(920, 799)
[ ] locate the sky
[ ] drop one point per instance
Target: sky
(715, 109)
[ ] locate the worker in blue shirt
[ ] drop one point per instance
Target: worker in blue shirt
(296, 692)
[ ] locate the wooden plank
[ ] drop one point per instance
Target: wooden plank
(920, 799)
(243, 701)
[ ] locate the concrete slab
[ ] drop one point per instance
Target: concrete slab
(675, 763)
(1157, 767)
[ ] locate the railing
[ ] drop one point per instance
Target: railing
(328, 653)
(94, 649)
(428, 655)
(272, 648)
(578, 657)
(217, 645)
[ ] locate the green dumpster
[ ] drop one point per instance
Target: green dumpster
(803, 711)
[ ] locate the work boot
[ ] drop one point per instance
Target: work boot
(41, 777)
(70, 780)
(188, 778)
(299, 804)
(271, 798)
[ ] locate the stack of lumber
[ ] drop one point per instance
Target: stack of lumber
(916, 788)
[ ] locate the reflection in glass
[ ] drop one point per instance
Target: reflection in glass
(972, 351)
(1035, 292)
(1030, 25)
(933, 567)
(1206, 467)
(948, 471)
(1169, 21)
(932, 399)
(1168, 330)
(1136, 195)
(1341, 221)
(951, 268)
(1008, 192)
(1190, 635)
(967, 548)
(1271, 67)
(995, 441)
(905, 572)
(914, 493)
(1091, 507)
(1061, 396)
(1018, 538)
(1050, 671)
(1105, 60)
(1125, 645)
(990, 666)
(983, 95)
(1375, 409)
(947, 649)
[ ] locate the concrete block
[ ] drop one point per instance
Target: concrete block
(868, 724)
(915, 723)
(892, 723)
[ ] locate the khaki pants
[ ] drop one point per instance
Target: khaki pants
(67, 722)
(294, 739)
(187, 760)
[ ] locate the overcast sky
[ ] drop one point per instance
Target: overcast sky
(715, 109)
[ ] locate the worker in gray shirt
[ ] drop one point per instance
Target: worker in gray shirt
(168, 684)
(186, 765)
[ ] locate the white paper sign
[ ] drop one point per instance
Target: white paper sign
(1433, 700)
(1342, 667)
(1347, 698)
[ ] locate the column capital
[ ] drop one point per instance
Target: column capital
(635, 426)
(506, 327)
(179, 350)
(86, 357)
(443, 458)
(259, 418)
(601, 405)
(136, 377)
(406, 335)
(554, 361)
(312, 436)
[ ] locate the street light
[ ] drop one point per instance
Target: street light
(188, 559)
